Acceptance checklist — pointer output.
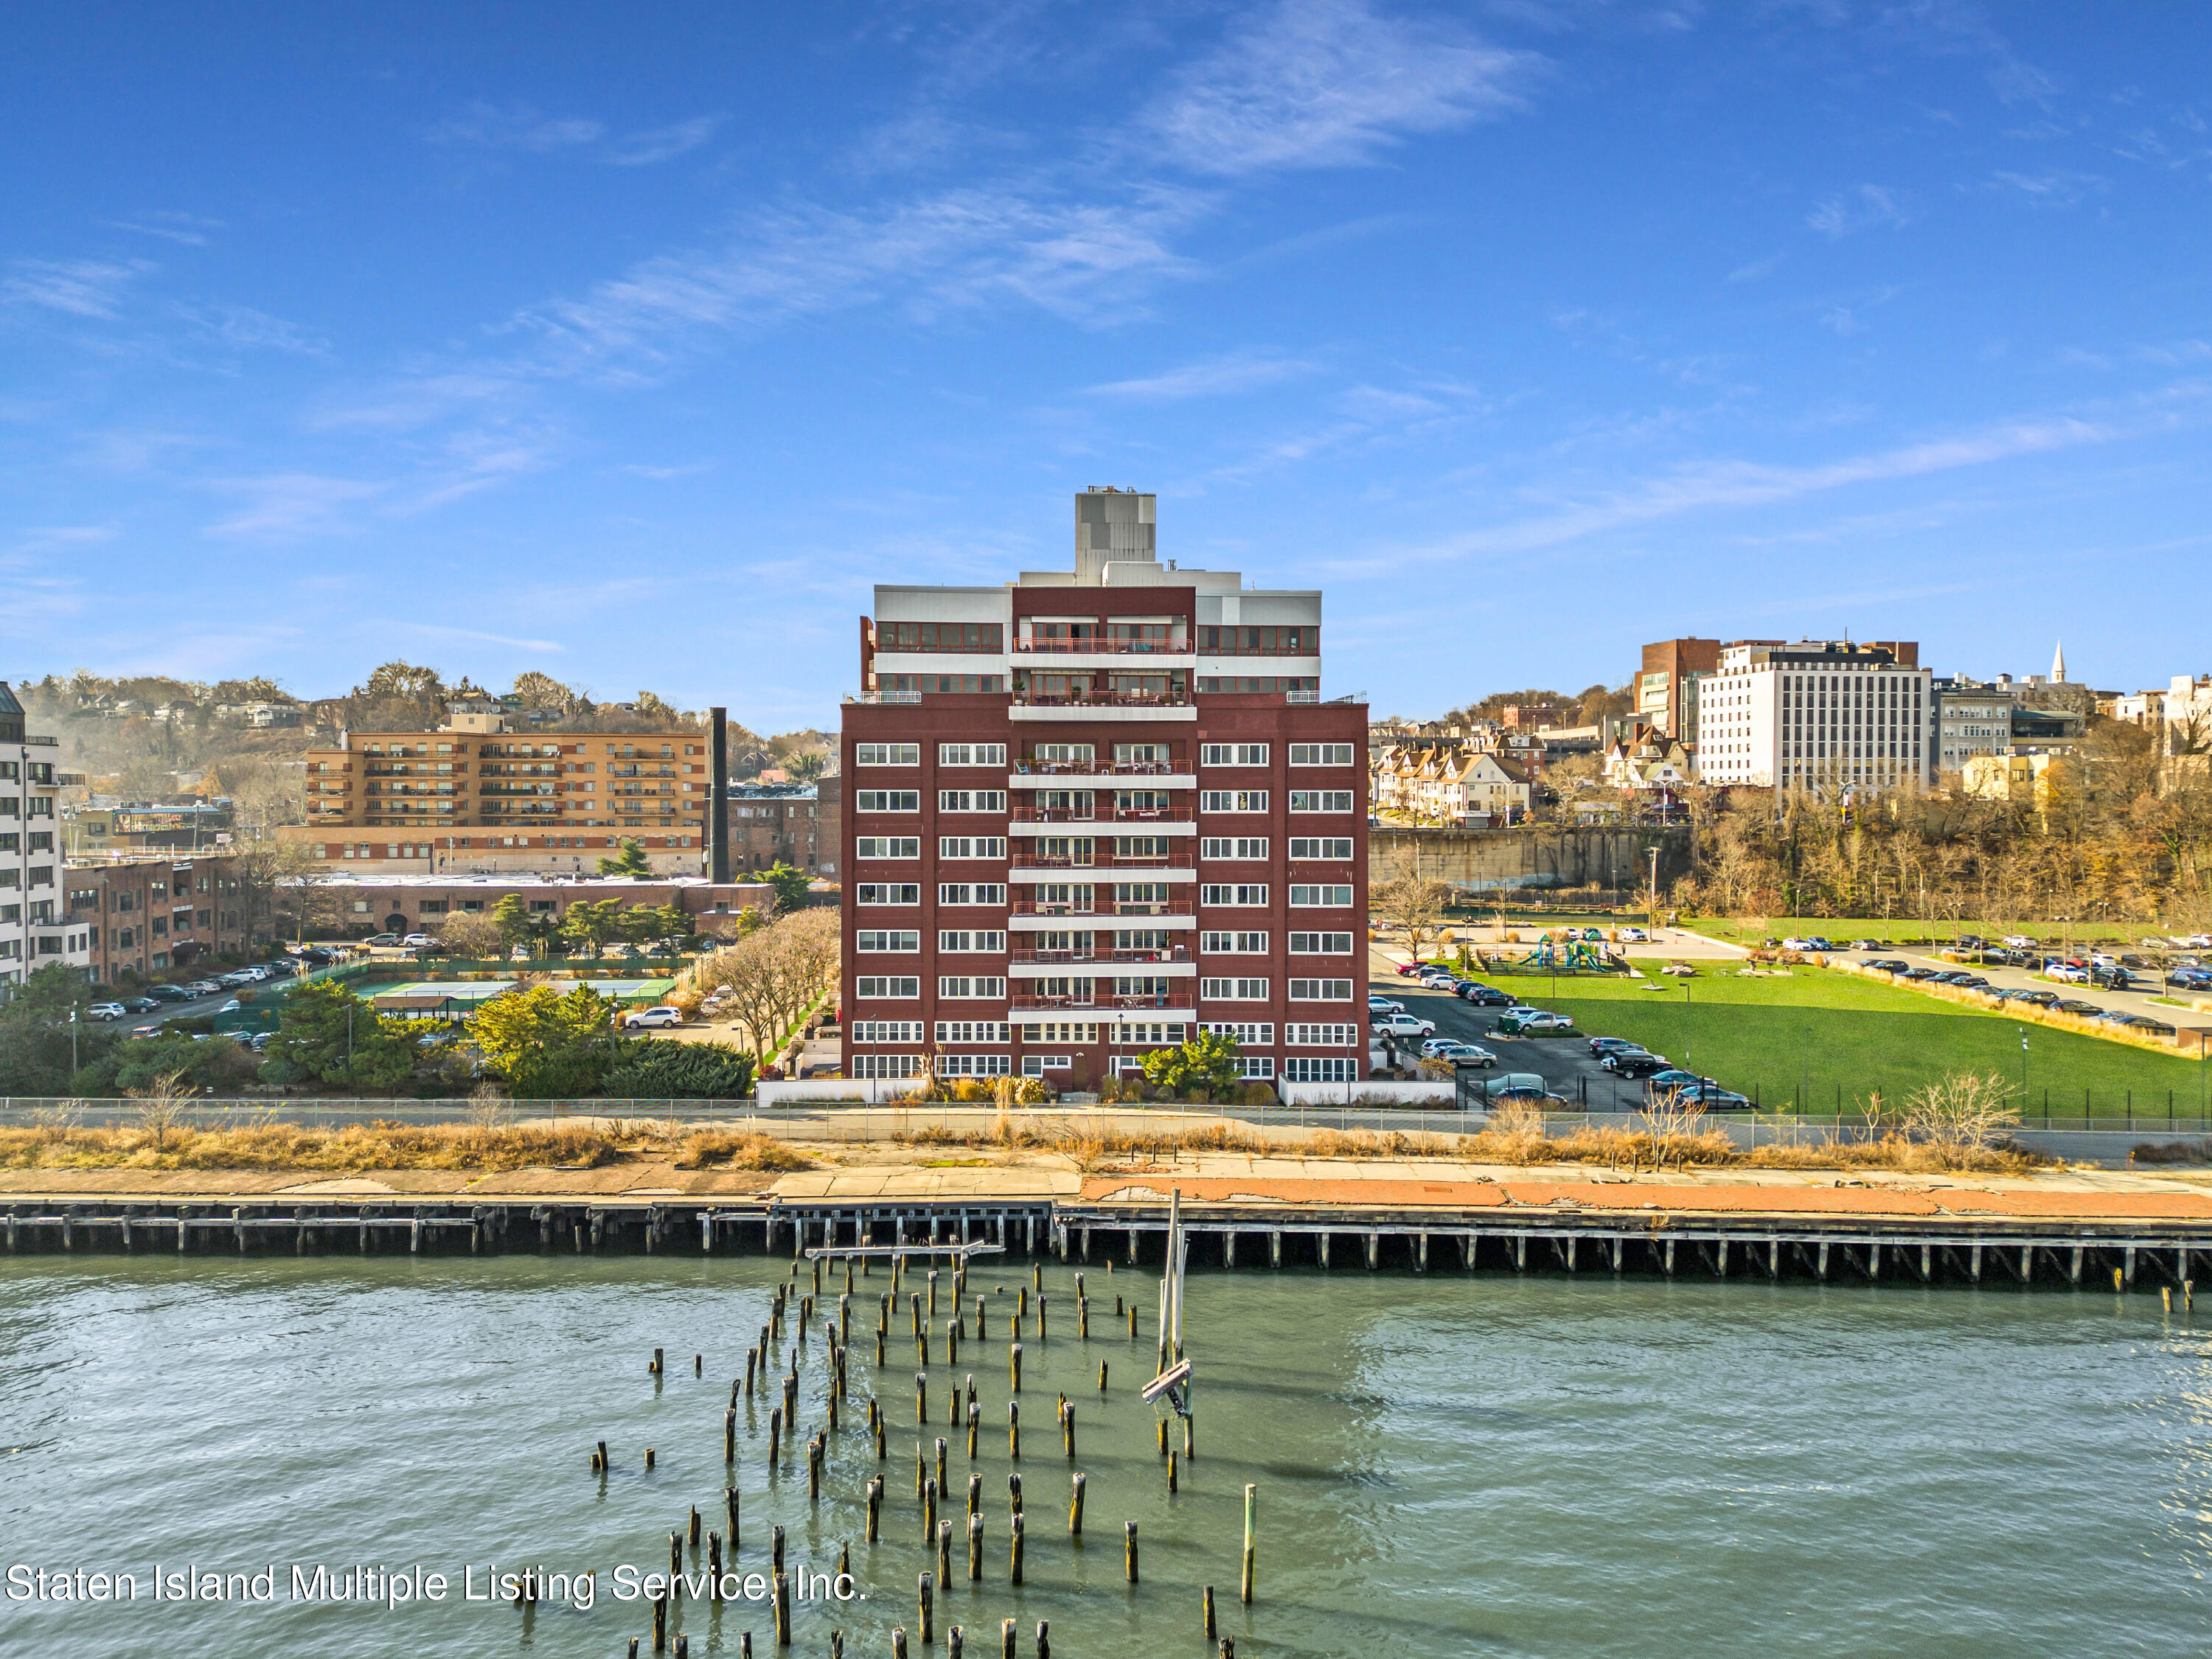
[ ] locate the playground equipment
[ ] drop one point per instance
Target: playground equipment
(1566, 956)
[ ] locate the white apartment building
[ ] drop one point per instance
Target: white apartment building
(1817, 715)
(1969, 719)
(34, 926)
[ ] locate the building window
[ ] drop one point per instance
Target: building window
(888, 846)
(887, 801)
(974, 1065)
(970, 986)
(1320, 754)
(886, 754)
(1321, 944)
(1306, 1068)
(887, 987)
(1233, 990)
(886, 1066)
(1320, 990)
(1329, 897)
(1232, 754)
(886, 1030)
(1314, 847)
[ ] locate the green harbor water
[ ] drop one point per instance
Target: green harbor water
(1445, 1466)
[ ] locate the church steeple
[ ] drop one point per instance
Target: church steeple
(2058, 665)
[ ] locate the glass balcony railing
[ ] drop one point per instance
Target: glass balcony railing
(1168, 648)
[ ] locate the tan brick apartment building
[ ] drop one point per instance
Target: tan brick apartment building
(404, 904)
(150, 915)
(1088, 814)
(421, 801)
(799, 825)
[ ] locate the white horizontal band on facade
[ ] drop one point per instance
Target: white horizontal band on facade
(1090, 920)
(1102, 970)
(1104, 713)
(1102, 780)
(1100, 875)
(1100, 829)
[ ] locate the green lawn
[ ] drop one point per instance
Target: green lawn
(1737, 930)
(1837, 1036)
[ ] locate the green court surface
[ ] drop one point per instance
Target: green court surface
(1823, 1038)
(435, 994)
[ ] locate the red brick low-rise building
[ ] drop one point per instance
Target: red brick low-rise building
(148, 916)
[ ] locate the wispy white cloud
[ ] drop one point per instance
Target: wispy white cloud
(293, 504)
(59, 539)
(516, 127)
(639, 149)
(664, 474)
(434, 630)
(1865, 207)
(2060, 189)
(1735, 484)
(1305, 83)
(1209, 377)
(189, 229)
(245, 327)
(1758, 269)
(81, 288)
(520, 129)
(952, 250)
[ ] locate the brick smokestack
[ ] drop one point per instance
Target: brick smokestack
(718, 800)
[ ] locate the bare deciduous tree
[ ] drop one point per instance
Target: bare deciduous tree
(1411, 902)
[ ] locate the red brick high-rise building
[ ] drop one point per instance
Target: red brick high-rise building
(1088, 814)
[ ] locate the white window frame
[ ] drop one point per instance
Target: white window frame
(970, 988)
(1320, 800)
(1332, 847)
(887, 801)
(1232, 800)
(1320, 990)
(1321, 754)
(887, 847)
(885, 1066)
(974, 1065)
(972, 754)
(887, 892)
(969, 941)
(1321, 895)
(886, 941)
(887, 987)
(1321, 1036)
(1232, 754)
(1247, 1034)
(886, 754)
(1232, 990)
(886, 1030)
(971, 1030)
(971, 847)
(1312, 1068)
(971, 800)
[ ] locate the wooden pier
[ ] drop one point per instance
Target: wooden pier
(1859, 1250)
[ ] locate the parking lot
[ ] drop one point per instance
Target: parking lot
(1562, 1060)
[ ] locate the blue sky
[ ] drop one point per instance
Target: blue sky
(632, 344)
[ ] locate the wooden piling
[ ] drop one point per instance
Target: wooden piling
(974, 1424)
(1075, 1509)
(660, 1622)
(1171, 1471)
(1129, 1550)
(1006, 1640)
(729, 1436)
(775, 1539)
(782, 1611)
(1083, 1317)
(974, 1493)
(1245, 1588)
(1014, 1429)
(875, 1505)
(1017, 1577)
(1014, 1366)
(974, 1548)
(1041, 1313)
(1101, 1376)
(2166, 1297)
(1068, 1430)
(928, 1511)
(2188, 1294)
(775, 1433)
(655, 1367)
(943, 1552)
(929, 1611)
(1163, 1436)
(954, 1638)
(814, 1450)
(921, 1396)
(648, 1458)
(730, 1504)
(1044, 1639)
(2116, 1281)
(1190, 1437)
(1209, 1612)
(695, 1526)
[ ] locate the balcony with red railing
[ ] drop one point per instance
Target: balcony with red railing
(1077, 908)
(1034, 814)
(1029, 766)
(1182, 857)
(1183, 997)
(1025, 698)
(1112, 647)
(1168, 953)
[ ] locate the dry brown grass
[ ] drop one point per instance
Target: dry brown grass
(718, 1150)
(362, 1148)
(291, 1146)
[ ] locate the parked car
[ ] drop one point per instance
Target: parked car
(169, 993)
(2075, 1005)
(2144, 1023)
(2068, 972)
(104, 1011)
(1435, 1047)
(1403, 1025)
(145, 1030)
(1485, 996)
(1519, 1022)
(232, 1005)
(1516, 1085)
(1685, 1088)
(381, 939)
(1471, 1054)
(1409, 968)
(1866, 945)
(2191, 979)
(1384, 1005)
(2018, 941)
(1674, 1077)
(2113, 979)
(1886, 964)
(1920, 973)
(1634, 936)
(1599, 1047)
(417, 941)
(2037, 998)
(141, 1005)
(647, 1020)
(1636, 1062)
